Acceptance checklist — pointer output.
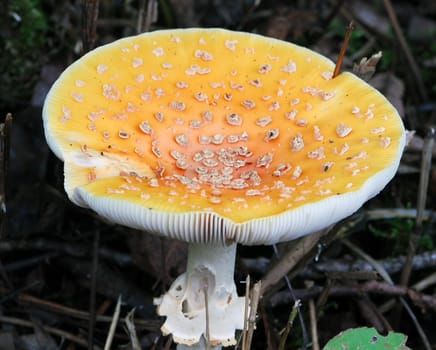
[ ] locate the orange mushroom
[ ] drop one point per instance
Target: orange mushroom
(216, 138)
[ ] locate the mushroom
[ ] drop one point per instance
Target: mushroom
(217, 137)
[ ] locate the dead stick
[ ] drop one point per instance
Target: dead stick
(247, 303)
(206, 306)
(22, 298)
(371, 287)
(113, 326)
(60, 333)
(5, 145)
(288, 261)
(406, 49)
(343, 48)
(89, 23)
(5, 141)
(422, 198)
(130, 324)
(312, 317)
(147, 14)
(92, 296)
(255, 296)
(313, 327)
(388, 279)
(289, 325)
(417, 231)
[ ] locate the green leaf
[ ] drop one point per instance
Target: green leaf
(366, 338)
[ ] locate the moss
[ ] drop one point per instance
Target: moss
(22, 39)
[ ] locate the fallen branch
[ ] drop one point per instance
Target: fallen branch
(60, 333)
(30, 300)
(371, 287)
(391, 265)
(289, 260)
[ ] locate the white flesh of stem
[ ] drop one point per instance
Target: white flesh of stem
(210, 269)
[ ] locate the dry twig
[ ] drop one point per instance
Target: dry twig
(425, 301)
(313, 319)
(92, 291)
(115, 318)
(255, 296)
(343, 48)
(406, 49)
(147, 14)
(289, 324)
(5, 145)
(50, 306)
(89, 23)
(390, 265)
(247, 303)
(388, 279)
(60, 333)
(134, 342)
(288, 261)
(422, 199)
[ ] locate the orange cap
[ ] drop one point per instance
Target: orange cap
(213, 135)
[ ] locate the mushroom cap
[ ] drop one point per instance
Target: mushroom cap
(210, 135)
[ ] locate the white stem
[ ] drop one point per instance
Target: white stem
(209, 276)
(210, 266)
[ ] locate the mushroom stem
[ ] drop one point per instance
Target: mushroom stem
(217, 259)
(210, 270)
